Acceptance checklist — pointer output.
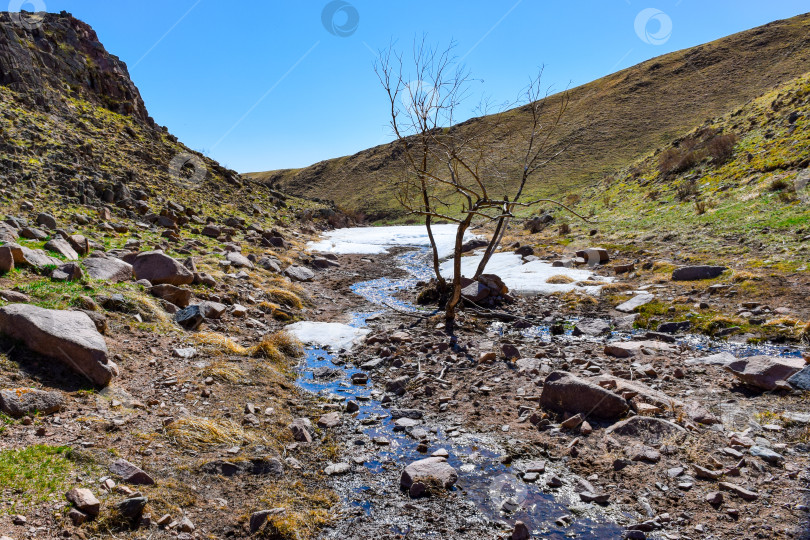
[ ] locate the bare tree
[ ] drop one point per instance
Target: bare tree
(458, 173)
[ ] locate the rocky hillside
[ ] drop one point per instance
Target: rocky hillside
(145, 378)
(611, 122)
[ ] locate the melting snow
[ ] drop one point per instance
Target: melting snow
(328, 335)
(529, 278)
(375, 240)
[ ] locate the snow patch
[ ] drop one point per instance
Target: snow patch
(328, 335)
(529, 278)
(376, 240)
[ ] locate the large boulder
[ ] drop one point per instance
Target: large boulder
(178, 296)
(693, 273)
(63, 248)
(765, 372)
(33, 257)
(8, 233)
(158, 268)
(19, 402)
(433, 471)
(108, 269)
(564, 392)
(238, 260)
(299, 273)
(68, 336)
(67, 272)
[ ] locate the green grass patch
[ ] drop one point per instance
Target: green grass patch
(34, 475)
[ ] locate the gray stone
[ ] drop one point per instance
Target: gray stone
(428, 471)
(593, 327)
(299, 273)
(719, 359)
(36, 258)
(69, 336)
(68, 272)
(336, 469)
(766, 454)
(212, 310)
(693, 273)
(329, 420)
(19, 402)
(131, 473)
(131, 508)
(565, 392)
(300, 430)
(674, 327)
(46, 220)
(84, 500)
(189, 318)
(238, 260)
(801, 380)
(63, 248)
(765, 371)
(626, 349)
(108, 269)
(158, 268)
(178, 296)
(635, 303)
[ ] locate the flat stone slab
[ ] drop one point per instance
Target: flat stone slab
(108, 269)
(626, 349)
(635, 303)
(765, 372)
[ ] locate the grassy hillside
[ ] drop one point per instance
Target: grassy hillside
(736, 185)
(611, 122)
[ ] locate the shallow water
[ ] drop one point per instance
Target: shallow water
(483, 479)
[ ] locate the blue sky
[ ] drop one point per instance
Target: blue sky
(262, 85)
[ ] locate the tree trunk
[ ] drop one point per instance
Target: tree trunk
(455, 297)
(500, 229)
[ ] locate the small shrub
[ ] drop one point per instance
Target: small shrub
(686, 190)
(778, 184)
(721, 148)
(700, 207)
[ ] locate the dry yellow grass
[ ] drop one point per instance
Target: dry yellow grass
(227, 372)
(307, 510)
(195, 432)
(222, 343)
(285, 298)
(742, 275)
(560, 280)
(277, 347)
(616, 287)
